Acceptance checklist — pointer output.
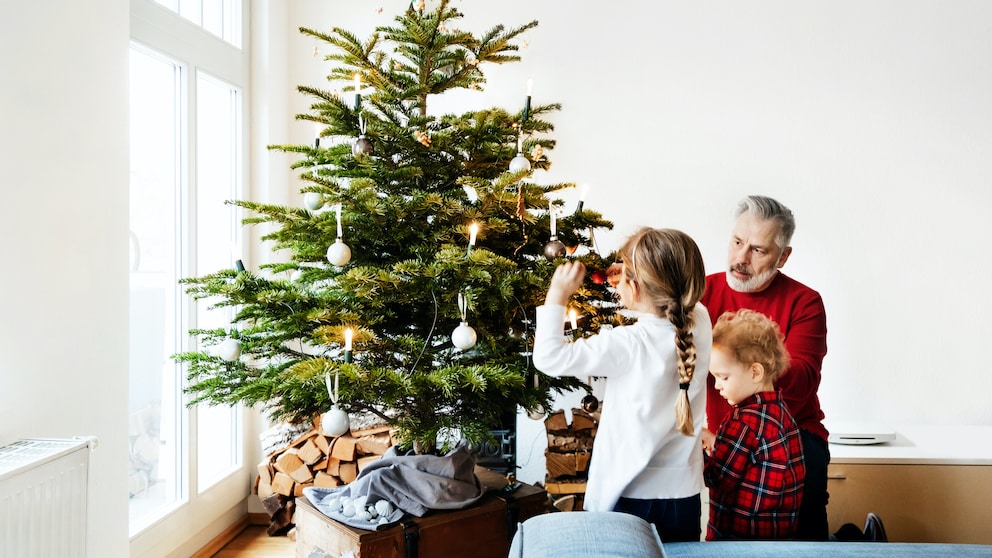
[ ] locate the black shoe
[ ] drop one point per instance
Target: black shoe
(874, 530)
(848, 532)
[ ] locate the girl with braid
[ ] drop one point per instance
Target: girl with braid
(647, 459)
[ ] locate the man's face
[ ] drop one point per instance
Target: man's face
(754, 257)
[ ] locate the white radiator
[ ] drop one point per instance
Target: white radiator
(43, 485)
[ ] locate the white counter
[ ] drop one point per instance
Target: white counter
(923, 444)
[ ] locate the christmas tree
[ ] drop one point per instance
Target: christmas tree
(419, 256)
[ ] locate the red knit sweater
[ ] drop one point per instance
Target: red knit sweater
(798, 311)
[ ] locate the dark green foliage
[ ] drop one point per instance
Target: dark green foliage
(406, 212)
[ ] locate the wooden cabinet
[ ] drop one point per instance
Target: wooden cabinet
(917, 502)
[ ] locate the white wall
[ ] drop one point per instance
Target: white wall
(872, 123)
(870, 120)
(63, 221)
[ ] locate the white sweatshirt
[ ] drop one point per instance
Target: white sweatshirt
(638, 451)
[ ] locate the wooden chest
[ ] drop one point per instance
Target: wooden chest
(483, 530)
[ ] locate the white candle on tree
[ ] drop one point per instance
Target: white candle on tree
(554, 222)
(583, 190)
(473, 231)
(358, 89)
(348, 334)
(530, 87)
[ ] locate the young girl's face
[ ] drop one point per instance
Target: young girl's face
(735, 380)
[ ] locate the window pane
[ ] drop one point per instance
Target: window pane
(219, 17)
(155, 409)
(213, 17)
(171, 4)
(190, 9)
(218, 246)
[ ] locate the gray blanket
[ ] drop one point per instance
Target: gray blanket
(411, 484)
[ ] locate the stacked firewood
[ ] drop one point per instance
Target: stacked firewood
(568, 455)
(313, 459)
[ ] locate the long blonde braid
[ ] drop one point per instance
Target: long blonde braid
(667, 265)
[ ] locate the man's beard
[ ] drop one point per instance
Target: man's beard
(749, 285)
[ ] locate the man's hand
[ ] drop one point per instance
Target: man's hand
(566, 280)
(708, 439)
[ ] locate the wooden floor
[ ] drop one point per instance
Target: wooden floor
(254, 542)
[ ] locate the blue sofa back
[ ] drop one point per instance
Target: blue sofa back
(619, 535)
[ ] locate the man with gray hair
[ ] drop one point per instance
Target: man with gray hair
(759, 247)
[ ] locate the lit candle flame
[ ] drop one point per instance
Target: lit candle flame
(348, 334)
(473, 230)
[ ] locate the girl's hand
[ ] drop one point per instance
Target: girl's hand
(566, 280)
(614, 274)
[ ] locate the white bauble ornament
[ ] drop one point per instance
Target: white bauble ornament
(335, 422)
(519, 163)
(229, 350)
(464, 336)
(339, 254)
(313, 200)
(538, 414)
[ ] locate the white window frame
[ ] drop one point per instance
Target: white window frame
(197, 50)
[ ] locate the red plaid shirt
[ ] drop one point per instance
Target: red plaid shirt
(755, 472)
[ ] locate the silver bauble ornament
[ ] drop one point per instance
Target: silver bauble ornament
(464, 337)
(362, 146)
(339, 253)
(313, 200)
(590, 404)
(554, 249)
(229, 350)
(335, 422)
(519, 163)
